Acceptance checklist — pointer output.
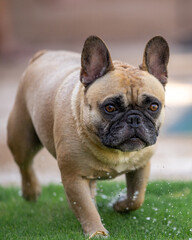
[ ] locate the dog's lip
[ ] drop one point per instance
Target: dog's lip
(133, 139)
(129, 145)
(132, 144)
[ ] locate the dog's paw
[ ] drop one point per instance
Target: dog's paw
(125, 204)
(99, 234)
(96, 232)
(121, 205)
(31, 192)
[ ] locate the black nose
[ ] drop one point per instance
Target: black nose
(134, 120)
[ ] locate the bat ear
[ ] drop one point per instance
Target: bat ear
(155, 58)
(95, 60)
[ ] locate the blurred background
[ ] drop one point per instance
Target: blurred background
(125, 26)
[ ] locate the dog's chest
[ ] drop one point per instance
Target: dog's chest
(123, 165)
(129, 164)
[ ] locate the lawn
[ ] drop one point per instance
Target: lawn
(166, 214)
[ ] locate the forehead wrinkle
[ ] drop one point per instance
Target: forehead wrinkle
(130, 78)
(135, 82)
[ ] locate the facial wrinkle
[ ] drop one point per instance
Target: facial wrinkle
(137, 97)
(132, 92)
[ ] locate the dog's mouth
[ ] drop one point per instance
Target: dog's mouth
(128, 139)
(135, 138)
(132, 144)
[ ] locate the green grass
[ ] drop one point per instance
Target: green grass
(166, 214)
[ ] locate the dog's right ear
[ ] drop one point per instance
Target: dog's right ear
(95, 60)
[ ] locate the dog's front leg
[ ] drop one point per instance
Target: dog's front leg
(136, 186)
(80, 198)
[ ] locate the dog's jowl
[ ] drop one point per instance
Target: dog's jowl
(97, 117)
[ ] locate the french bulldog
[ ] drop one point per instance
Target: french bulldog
(99, 118)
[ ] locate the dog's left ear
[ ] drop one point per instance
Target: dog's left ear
(95, 60)
(155, 58)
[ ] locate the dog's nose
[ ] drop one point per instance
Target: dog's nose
(134, 120)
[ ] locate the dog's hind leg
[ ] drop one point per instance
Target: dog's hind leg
(24, 144)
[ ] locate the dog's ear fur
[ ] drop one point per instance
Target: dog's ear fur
(95, 60)
(155, 58)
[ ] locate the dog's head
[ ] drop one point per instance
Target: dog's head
(124, 105)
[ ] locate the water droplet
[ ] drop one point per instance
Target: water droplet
(108, 173)
(155, 209)
(54, 194)
(20, 193)
(74, 203)
(103, 196)
(174, 228)
(148, 218)
(177, 233)
(61, 199)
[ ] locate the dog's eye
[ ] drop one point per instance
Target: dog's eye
(110, 108)
(154, 107)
